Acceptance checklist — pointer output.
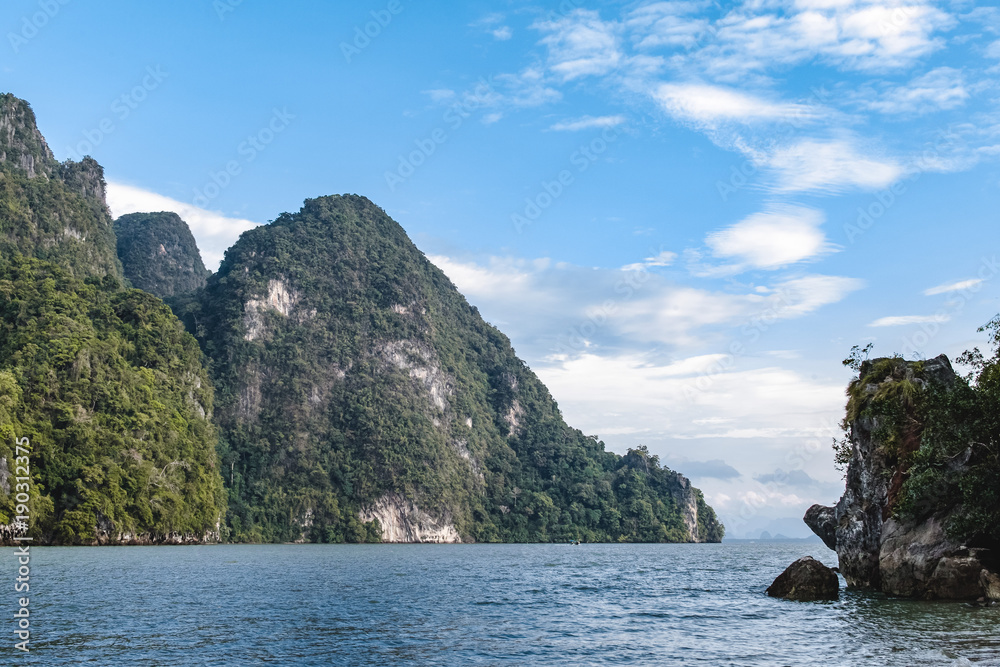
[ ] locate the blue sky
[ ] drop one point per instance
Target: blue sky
(682, 213)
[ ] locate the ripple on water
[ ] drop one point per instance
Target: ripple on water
(475, 605)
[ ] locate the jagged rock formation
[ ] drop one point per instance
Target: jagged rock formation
(159, 254)
(101, 379)
(51, 211)
(880, 546)
(806, 580)
(362, 398)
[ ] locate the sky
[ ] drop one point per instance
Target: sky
(683, 214)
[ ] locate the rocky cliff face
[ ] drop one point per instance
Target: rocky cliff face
(878, 549)
(159, 254)
(54, 211)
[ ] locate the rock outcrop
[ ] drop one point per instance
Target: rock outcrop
(159, 254)
(912, 557)
(806, 580)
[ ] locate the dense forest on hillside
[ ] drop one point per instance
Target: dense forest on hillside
(348, 367)
(101, 378)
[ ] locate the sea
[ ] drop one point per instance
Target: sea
(476, 604)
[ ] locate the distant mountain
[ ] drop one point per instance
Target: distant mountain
(361, 397)
(103, 380)
(159, 254)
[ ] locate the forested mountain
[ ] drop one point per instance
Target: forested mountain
(102, 379)
(49, 210)
(159, 254)
(360, 397)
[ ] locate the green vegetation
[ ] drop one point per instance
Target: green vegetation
(48, 210)
(348, 367)
(349, 372)
(103, 379)
(109, 388)
(943, 437)
(958, 464)
(159, 254)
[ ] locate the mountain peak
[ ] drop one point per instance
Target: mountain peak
(22, 146)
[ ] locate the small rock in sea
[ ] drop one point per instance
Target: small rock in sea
(804, 580)
(991, 585)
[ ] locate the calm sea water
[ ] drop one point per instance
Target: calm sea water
(468, 605)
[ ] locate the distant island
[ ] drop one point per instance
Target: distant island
(327, 384)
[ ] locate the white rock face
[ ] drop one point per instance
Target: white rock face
(403, 521)
(421, 364)
(513, 417)
(280, 297)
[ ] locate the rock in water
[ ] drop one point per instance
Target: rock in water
(823, 521)
(990, 582)
(805, 580)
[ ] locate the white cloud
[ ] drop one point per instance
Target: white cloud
(667, 24)
(953, 287)
(857, 35)
(812, 165)
(941, 88)
(581, 44)
(213, 231)
(564, 310)
(707, 104)
(502, 34)
(904, 320)
(664, 258)
(780, 236)
(602, 393)
(587, 123)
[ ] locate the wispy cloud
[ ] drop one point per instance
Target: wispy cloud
(581, 44)
(941, 88)
(849, 34)
(953, 287)
(664, 258)
(707, 104)
(906, 320)
(587, 123)
(813, 165)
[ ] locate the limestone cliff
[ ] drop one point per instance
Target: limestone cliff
(906, 553)
(51, 211)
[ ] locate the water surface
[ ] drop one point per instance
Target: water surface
(604, 604)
